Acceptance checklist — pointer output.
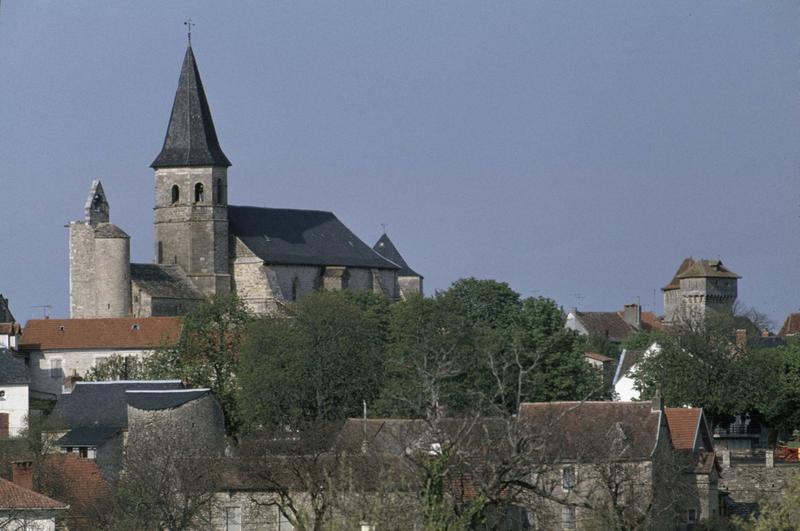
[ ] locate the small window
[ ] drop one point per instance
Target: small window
(198, 193)
(160, 253)
(83, 452)
(55, 369)
(218, 199)
(568, 517)
(691, 516)
(176, 193)
(568, 477)
(233, 518)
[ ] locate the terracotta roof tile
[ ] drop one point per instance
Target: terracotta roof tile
(79, 481)
(12, 496)
(683, 424)
(120, 332)
(791, 326)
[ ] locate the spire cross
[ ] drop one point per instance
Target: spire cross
(189, 24)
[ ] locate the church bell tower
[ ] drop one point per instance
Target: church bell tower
(191, 184)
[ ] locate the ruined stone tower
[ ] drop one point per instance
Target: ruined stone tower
(191, 183)
(99, 262)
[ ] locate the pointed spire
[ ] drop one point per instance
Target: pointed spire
(191, 138)
(386, 248)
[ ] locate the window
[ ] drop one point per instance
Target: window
(568, 477)
(295, 288)
(218, 199)
(198, 193)
(176, 193)
(56, 371)
(233, 519)
(83, 452)
(568, 517)
(691, 516)
(160, 253)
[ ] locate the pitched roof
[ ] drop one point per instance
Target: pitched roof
(675, 283)
(191, 139)
(166, 399)
(302, 237)
(707, 269)
(684, 424)
(627, 360)
(78, 481)
(164, 282)
(791, 326)
(5, 312)
(12, 496)
(116, 332)
(12, 368)
(109, 230)
(605, 324)
(385, 247)
(92, 404)
(597, 357)
(87, 436)
(587, 431)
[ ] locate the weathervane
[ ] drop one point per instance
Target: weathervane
(188, 23)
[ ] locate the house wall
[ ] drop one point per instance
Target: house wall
(408, 286)
(73, 362)
(625, 389)
(33, 520)
(15, 403)
(572, 323)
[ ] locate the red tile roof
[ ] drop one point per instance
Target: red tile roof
(683, 425)
(77, 480)
(791, 326)
(120, 332)
(12, 496)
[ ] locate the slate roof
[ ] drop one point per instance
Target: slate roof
(588, 431)
(112, 332)
(164, 282)
(109, 230)
(301, 237)
(168, 399)
(385, 247)
(791, 326)
(87, 436)
(12, 496)
(191, 139)
(627, 360)
(93, 404)
(12, 368)
(708, 269)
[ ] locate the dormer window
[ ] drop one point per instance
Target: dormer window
(198, 193)
(176, 193)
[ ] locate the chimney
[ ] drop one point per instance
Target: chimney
(741, 339)
(633, 315)
(22, 474)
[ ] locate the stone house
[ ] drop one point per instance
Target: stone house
(204, 246)
(61, 351)
(614, 326)
(22, 508)
(14, 394)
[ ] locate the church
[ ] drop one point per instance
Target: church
(206, 247)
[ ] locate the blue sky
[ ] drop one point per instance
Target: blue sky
(577, 150)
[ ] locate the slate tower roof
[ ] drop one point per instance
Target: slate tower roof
(191, 138)
(386, 248)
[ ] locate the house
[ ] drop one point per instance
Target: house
(93, 420)
(598, 361)
(614, 326)
(624, 383)
(9, 327)
(692, 439)
(603, 465)
(14, 394)
(62, 351)
(23, 509)
(79, 482)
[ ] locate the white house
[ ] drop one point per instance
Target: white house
(13, 394)
(624, 384)
(62, 351)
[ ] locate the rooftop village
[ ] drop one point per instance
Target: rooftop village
(270, 370)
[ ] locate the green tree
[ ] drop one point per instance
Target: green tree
(207, 352)
(118, 367)
(319, 364)
(779, 515)
(486, 302)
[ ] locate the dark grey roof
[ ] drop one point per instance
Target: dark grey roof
(301, 237)
(102, 403)
(386, 248)
(109, 230)
(87, 436)
(164, 281)
(12, 368)
(627, 360)
(152, 400)
(191, 138)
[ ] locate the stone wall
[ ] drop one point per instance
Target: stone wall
(750, 484)
(81, 270)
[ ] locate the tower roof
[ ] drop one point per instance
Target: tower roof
(191, 138)
(708, 269)
(386, 248)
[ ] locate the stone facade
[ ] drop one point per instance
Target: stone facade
(699, 287)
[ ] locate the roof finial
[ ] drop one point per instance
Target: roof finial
(188, 23)
(383, 226)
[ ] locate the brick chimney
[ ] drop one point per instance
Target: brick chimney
(633, 315)
(22, 474)
(741, 339)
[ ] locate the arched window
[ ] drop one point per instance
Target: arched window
(218, 194)
(176, 193)
(198, 193)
